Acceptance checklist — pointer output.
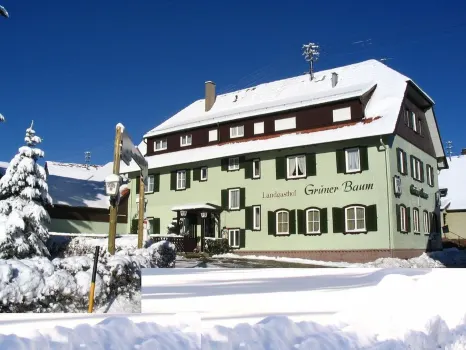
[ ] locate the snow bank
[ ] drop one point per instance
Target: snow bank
(62, 285)
(447, 257)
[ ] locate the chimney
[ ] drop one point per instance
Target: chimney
(463, 152)
(209, 95)
(334, 79)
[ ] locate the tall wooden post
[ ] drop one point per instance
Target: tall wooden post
(141, 212)
(114, 204)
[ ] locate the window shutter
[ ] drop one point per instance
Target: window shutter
(197, 174)
(156, 182)
(371, 218)
(341, 162)
(363, 154)
(280, 168)
(323, 220)
(134, 226)
(242, 238)
(173, 181)
(398, 218)
(224, 199)
(271, 223)
(411, 158)
(138, 183)
(156, 225)
(432, 176)
(248, 218)
(188, 178)
(311, 166)
(408, 219)
(248, 169)
(224, 164)
(242, 198)
(405, 162)
(301, 220)
(338, 220)
(242, 162)
(292, 218)
(422, 171)
(398, 159)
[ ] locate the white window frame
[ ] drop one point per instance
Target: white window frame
(403, 219)
(426, 218)
(233, 163)
(213, 135)
(417, 169)
(258, 128)
(310, 230)
(256, 175)
(230, 191)
(402, 161)
(186, 140)
(277, 232)
(416, 221)
(161, 142)
(181, 180)
(413, 120)
(356, 229)
(430, 175)
(236, 131)
(347, 151)
(204, 178)
(148, 183)
(256, 209)
(234, 243)
(295, 158)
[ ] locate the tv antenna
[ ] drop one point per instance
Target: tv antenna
(87, 157)
(311, 53)
(449, 149)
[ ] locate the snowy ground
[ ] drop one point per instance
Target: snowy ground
(381, 309)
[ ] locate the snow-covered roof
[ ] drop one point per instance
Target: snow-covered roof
(453, 179)
(381, 111)
(71, 170)
(194, 206)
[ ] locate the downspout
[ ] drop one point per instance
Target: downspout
(389, 197)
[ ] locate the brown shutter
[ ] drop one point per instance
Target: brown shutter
(311, 166)
(363, 154)
(341, 161)
(280, 168)
(338, 220)
(323, 220)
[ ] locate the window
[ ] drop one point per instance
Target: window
(355, 218)
(352, 160)
(181, 179)
(402, 162)
(403, 219)
(416, 225)
(149, 184)
(233, 199)
(416, 168)
(236, 131)
(313, 221)
(204, 174)
(256, 169)
(256, 221)
(285, 124)
(426, 223)
(341, 114)
(160, 145)
(233, 238)
(233, 164)
(283, 223)
(296, 167)
(430, 175)
(185, 140)
(258, 128)
(213, 135)
(413, 121)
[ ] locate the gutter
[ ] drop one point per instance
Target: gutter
(387, 177)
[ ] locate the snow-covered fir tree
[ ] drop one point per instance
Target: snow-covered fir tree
(23, 197)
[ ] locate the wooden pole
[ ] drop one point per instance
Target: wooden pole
(114, 205)
(94, 272)
(141, 212)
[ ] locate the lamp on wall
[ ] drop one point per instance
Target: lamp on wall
(203, 214)
(183, 213)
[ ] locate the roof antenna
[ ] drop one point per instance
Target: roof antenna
(87, 157)
(449, 147)
(311, 54)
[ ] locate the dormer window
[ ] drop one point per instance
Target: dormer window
(186, 140)
(236, 131)
(160, 145)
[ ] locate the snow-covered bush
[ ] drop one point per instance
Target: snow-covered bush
(23, 198)
(62, 285)
(217, 246)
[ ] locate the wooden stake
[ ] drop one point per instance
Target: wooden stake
(114, 206)
(141, 212)
(94, 272)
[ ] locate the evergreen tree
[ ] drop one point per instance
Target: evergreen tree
(23, 197)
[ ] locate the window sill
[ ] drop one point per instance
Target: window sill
(234, 209)
(181, 189)
(186, 145)
(296, 177)
(256, 229)
(236, 137)
(202, 180)
(313, 233)
(354, 232)
(417, 233)
(159, 150)
(352, 171)
(150, 192)
(282, 233)
(256, 177)
(231, 170)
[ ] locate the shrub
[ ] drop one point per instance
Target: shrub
(217, 246)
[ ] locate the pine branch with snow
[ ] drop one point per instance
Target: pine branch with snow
(23, 198)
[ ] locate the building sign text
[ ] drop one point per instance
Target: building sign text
(346, 186)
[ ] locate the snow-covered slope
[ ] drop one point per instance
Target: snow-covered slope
(454, 180)
(71, 170)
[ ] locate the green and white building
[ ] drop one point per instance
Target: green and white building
(343, 166)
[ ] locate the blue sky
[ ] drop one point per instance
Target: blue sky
(79, 67)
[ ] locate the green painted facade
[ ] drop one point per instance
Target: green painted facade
(82, 226)
(372, 187)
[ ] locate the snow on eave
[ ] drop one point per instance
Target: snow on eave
(337, 94)
(193, 206)
(422, 92)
